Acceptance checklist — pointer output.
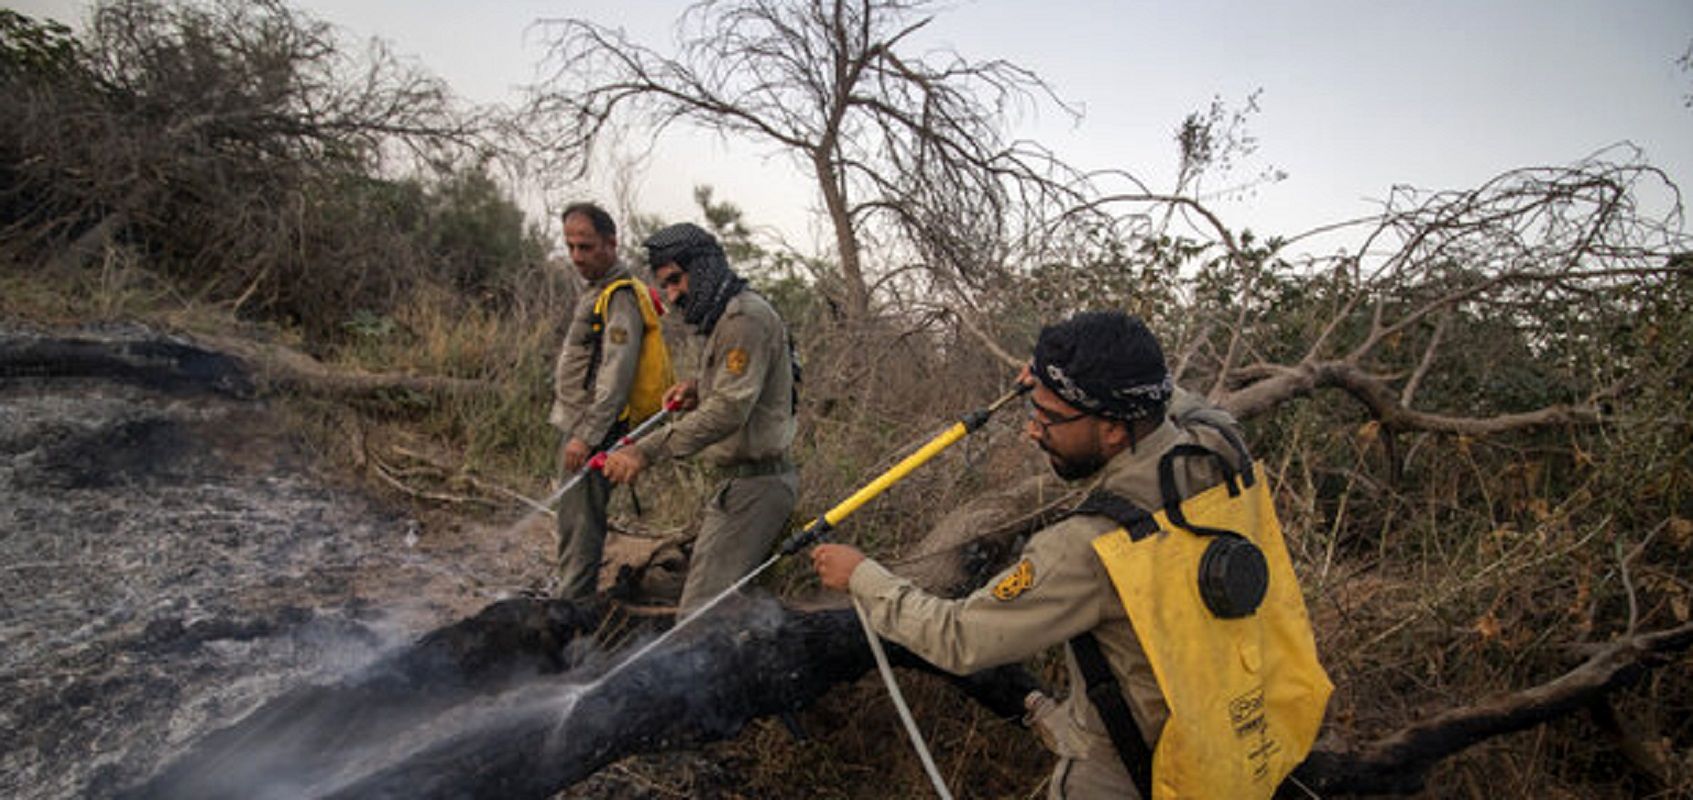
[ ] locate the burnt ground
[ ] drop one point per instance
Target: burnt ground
(170, 559)
(176, 570)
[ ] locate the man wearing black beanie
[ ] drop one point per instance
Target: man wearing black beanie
(1100, 408)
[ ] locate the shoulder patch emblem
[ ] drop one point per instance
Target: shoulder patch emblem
(736, 361)
(1015, 583)
(617, 335)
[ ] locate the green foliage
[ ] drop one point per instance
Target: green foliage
(727, 222)
(239, 150)
(1215, 142)
(38, 49)
(479, 238)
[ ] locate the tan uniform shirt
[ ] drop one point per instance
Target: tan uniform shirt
(584, 412)
(1069, 593)
(746, 392)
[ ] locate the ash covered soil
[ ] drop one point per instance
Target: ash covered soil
(171, 558)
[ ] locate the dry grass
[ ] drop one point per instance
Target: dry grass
(115, 288)
(1483, 570)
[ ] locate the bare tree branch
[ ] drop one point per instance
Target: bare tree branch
(910, 150)
(1399, 763)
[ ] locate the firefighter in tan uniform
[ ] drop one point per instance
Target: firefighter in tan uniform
(740, 412)
(1101, 409)
(591, 382)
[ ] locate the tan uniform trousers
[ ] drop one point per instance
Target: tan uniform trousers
(581, 536)
(740, 526)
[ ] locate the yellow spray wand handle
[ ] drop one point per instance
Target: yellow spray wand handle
(822, 525)
(895, 475)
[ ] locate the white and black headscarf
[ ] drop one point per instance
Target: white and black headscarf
(1105, 363)
(710, 280)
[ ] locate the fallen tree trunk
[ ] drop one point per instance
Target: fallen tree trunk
(489, 708)
(288, 368)
(144, 359)
(1399, 763)
(210, 363)
(486, 708)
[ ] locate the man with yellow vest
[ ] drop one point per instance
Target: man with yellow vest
(1192, 668)
(610, 375)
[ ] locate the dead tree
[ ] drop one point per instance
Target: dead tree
(904, 150)
(1495, 265)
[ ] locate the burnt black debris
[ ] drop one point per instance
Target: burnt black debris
(192, 609)
(171, 561)
(484, 709)
(124, 354)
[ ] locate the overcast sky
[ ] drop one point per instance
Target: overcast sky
(1355, 97)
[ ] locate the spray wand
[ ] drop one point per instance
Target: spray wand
(597, 461)
(969, 423)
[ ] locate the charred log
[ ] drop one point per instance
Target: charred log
(222, 365)
(153, 362)
(489, 707)
(307, 737)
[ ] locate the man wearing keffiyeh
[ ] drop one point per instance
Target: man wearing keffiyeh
(1104, 409)
(740, 411)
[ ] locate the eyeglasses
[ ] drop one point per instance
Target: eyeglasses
(1046, 418)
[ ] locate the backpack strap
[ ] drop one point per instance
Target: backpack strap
(1172, 497)
(1233, 574)
(1107, 698)
(596, 327)
(1103, 690)
(794, 367)
(1233, 477)
(1118, 509)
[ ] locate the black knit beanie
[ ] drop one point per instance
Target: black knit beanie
(1105, 363)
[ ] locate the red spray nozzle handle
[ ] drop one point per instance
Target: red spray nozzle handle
(597, 462)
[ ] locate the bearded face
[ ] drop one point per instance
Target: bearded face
(673, 282)
(1076, 464)
(1069, 438)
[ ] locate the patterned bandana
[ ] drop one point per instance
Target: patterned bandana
(710, 280)
(1105, 363)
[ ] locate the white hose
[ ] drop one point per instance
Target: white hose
(899, 703)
